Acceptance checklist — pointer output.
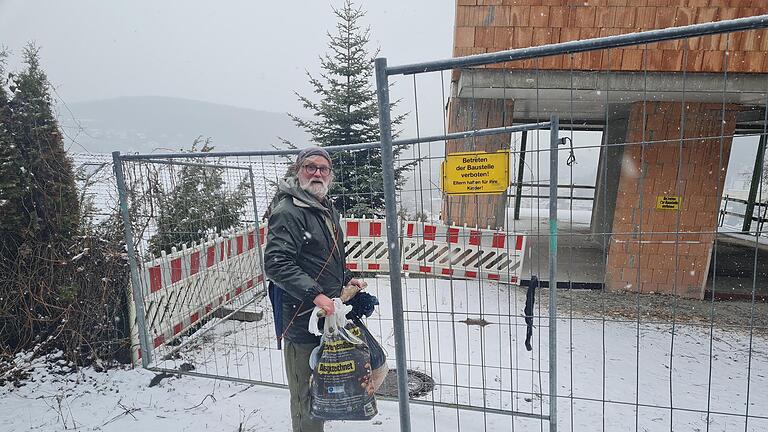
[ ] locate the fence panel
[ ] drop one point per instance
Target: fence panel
(205, 309)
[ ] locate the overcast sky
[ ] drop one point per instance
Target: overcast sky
(242, 52)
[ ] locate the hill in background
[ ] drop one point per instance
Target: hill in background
(150, 124)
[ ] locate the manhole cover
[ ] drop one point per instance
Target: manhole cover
(419, 384)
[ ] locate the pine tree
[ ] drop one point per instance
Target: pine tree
(42, 210)
(61, 288)
(347, 113)
(11, 179)
(199, 204)
(49, 197)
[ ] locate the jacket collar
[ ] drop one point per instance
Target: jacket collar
(299, 203)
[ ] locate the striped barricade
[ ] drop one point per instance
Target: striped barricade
(365, 243)
(182, 288)
(462, 252)
(177, 283)
(243, 263)
(153, 274)
(185, 286)
(217, 279)
(450, 251)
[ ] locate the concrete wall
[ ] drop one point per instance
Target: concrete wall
(608, 169)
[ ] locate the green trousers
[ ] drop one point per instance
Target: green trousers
(298, 371)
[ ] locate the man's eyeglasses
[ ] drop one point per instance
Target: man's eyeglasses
(312, 169)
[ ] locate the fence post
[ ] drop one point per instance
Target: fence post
(256, 233)
(146, 354)
(553, 161)
(388, 174)
(520, 171)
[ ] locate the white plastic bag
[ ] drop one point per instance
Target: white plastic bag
(336, 322)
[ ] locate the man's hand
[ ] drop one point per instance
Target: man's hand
(325, 303)
(353, 287)
(358, 283)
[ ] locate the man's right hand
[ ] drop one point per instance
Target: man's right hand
(325, 303)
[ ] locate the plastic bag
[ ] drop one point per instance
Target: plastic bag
(341, 386)
(378, 356)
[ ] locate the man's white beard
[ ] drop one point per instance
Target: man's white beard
(318, 190)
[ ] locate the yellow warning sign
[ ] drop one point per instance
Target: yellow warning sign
(664, 202)
(475, 173)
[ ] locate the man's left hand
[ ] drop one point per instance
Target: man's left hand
(353, 287)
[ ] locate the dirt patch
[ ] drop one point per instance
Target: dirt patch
(661, 309)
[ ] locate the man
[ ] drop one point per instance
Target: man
(305, 258)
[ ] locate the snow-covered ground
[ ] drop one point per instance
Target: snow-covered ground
(475, 363)
(121, 401)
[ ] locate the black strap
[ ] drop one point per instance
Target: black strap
(530, 297)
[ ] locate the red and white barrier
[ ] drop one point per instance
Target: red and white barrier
(462, 252)
(183, 287)
(365, 243)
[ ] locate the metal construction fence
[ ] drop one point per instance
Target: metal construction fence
(199, 289)
(650, 350)
(652, 346)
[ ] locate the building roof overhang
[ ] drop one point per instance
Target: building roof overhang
(587, 99)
